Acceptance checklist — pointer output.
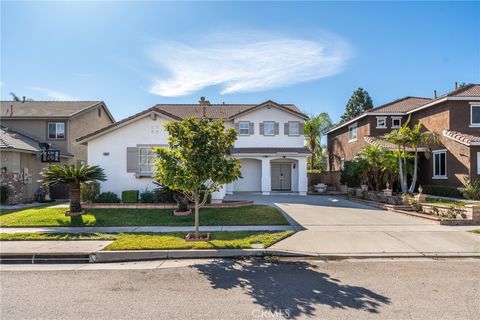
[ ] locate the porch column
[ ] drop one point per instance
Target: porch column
(302, 177)
(266, 178)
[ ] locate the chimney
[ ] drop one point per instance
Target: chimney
(203, 102)
(11, 110)
(456, 85)
(23, 99)
(204, 111)
(434, 94)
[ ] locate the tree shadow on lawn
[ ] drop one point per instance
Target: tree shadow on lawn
(293, 289)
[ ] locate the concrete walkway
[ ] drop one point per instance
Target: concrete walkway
(47, 247)
(329, 225)
(138, 229)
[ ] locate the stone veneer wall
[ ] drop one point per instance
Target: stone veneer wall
(14, 183)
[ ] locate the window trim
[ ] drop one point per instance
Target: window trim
(248, 128)
(439, 177)
(56, 123)
(289, 131)
(384, 121)
(472, 124)
(478, 162)
(399, 119)
(273, 128)
(148, 147)
(354, 125)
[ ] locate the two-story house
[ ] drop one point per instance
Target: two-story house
(24, 125)
(454, 116)
(270, 145)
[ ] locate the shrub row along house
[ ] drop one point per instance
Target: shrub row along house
(25, 126)
(455, 116)
(270, 145)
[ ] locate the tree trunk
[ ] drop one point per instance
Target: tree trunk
(400, 167)
(74, 195)
(197, 215)
(415, 167)
(312, 159)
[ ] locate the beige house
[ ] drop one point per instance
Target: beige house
(24, 125)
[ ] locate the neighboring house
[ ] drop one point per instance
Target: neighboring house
(24, 125)
(455, 116)
(270, 145)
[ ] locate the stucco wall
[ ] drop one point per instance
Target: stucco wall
(258, 140)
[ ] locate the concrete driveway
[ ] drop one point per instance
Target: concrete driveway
(336, 226)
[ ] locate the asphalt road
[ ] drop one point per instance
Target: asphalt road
(399, 289)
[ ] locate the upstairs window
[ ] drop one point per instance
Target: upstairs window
(352, 133)
(269, 128)
(56, 130)
(382, 122)
(294, 128)
(146, 157)
(440, 164)
(475, 116)
(244, 128)
(396, 122)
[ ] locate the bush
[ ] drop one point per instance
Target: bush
(442, 191)
(89, 191)
(471, 190)
(3, 194)
(107, 197)
(147, 197)
(130, 196)
(164, 195)
(352, 173)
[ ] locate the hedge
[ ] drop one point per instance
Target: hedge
(442, 191)
(130, 196)
(3, 194)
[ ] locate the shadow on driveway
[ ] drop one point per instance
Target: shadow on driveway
(289, 289)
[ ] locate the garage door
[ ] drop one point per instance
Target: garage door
(252, 176)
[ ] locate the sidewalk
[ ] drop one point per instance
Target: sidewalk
(139, 229)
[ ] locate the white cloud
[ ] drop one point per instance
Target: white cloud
(53, 94)
(246, 62)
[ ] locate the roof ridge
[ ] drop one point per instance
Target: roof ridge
(396, 101)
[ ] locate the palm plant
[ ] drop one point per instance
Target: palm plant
(73, 176)
(314, 128)
(373, 155)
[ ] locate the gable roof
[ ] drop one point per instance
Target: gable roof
(408, 105)
(181, 111)
(17, 141)
(48, 109)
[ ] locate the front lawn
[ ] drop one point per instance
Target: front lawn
(476, 231)
(55, 217)
(446, 202)
(165, 241)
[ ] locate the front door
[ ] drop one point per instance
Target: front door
(281, 177)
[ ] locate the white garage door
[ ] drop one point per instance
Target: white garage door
(252, 176)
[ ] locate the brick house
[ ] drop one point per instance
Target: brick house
(454, 116)
(24, 125)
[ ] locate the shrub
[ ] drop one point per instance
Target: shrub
(3, 194)
(147, 197)
(107, 197)
(352, 173)
(89, 191)
(130, 196)
(163, 195)
(442, 191)
(412, 201)
(471, 190)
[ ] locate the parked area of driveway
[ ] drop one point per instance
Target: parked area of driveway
(336, 226)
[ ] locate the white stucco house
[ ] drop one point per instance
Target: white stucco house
(270, 146)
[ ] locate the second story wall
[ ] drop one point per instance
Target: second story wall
(279, 138)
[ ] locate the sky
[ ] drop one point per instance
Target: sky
(133, 55)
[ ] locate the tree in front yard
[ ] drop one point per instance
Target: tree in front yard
(197, 161)
(314, 128)
(73, 176)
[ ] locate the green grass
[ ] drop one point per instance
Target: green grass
(40, 205)
(176, 240)
(29, 236)
(55, 217)
(446, 202)
(163, 241)
(476, 231)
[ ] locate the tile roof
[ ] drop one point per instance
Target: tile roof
(386, 144)
(464, 138)
(11, 139)
(401, 105)
(270, 150)
(214, 111)
(469, 90)
(44, 109)
(180, 111)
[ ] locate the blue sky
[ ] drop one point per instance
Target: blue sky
(313, 54)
